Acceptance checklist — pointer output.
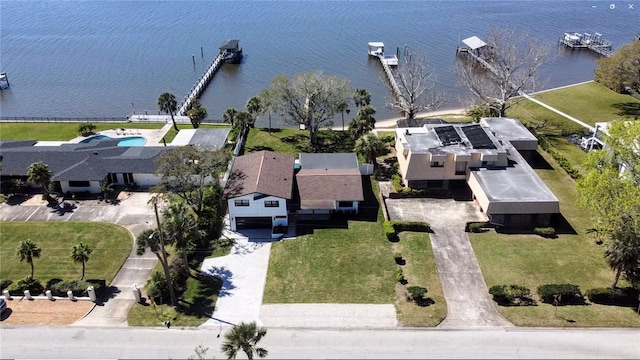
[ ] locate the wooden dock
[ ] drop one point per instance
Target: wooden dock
(389, 63)
(199, 87)
(587, 41)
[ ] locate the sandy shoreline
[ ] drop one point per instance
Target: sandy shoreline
(392, 122)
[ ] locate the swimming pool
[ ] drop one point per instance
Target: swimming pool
(124, 141)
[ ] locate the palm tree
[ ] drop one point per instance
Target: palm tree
(28, 250)
(167, 103)
(361, 97)
(181, 227)
(254, 107)
(229, 116)
(245, 337)
(364, 121)
(80, 254)
(370, 146)
(344, 106)
(39, 173)
(197, 113)
(623, 252)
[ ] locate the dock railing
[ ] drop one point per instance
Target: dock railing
(202, 83)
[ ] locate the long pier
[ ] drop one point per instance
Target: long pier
(199, 87)
(587, 41)
(388, 63)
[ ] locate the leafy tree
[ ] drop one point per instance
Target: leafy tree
(86, 128)
(254, 107)
(229, 116)
(167, 103)
(27, 251)
(244, 120)
(185, 171)
(180, 227)
(361, 97)
(416, 81)
(244, 337)
(80, 254)
(370, 146)
(197, 113)
(479, 111)
(515, 57)
(622, 69)
(611, 193)
(310, 99)
(39, 173)
(364, 122)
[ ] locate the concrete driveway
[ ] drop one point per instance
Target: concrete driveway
(468, 301)
(132, 213)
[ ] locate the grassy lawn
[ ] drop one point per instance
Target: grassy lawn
(591, 102)
(531, 261)
(552, 123)
(59, 131)
(419, 270)
(111, 245)
(335, 265)
(294, 141)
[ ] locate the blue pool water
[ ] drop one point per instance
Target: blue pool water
(125, 141)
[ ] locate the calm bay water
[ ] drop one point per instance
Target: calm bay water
(96, 58)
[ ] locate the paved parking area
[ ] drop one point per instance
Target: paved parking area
(468, 301)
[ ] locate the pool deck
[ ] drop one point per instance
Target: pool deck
(153, 136)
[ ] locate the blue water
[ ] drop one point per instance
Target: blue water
(101, 58)
(125, 141)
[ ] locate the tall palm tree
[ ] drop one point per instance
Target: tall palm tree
(197, 113)
(181, 227)
(27, 250)
(623, 251)
(39, 173)
(254, 107)
(245, 337)
(344, 106)
(370, 146)
(361, 97)
(364, 121)
(229, 116)
(80, 254)
(167, 103)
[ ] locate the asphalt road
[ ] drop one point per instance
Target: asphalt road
(161, 343)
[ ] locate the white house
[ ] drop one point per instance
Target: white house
(258, 189)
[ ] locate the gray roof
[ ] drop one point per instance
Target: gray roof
(329, 161)
(509, 129)
(211, 139)
(79, 162)
(426, 140)
(408, 122)
(230, 44)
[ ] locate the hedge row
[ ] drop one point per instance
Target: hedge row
(392, 228)
(547, 232)
(559, 158)
(564, 293)
(507, 295)
(609, 296)
(58, 287)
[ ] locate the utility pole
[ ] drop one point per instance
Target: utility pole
(165, 265)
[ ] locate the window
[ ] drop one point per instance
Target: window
(487, 163)
(345, 204)
(437, 164)
(461, 167)
(241, 202)
(272, 203)
(79, 184)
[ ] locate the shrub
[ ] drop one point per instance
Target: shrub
(569, 293)
(4, 284)
(28, 283)
(476, 227)
(389, 230)
(510, 294)
(52, 282)
(417, 292)
(609, 296)
(86, 128)
(546, 232)
(399, 275)
(179, 274)
(157, 287)
(417, 226)
(557, 156)
(77, 287)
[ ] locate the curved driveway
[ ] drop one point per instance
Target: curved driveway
(468, 301)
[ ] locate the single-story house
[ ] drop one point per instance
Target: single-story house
(329, 182)
(258, 189)
(487, 158)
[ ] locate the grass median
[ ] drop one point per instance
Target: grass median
(531, 261)
(111, 246)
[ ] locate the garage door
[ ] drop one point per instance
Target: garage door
(253, 222)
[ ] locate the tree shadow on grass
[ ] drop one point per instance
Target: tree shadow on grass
(202, 304)
(424, 302)
(631, 109)
(257, 148)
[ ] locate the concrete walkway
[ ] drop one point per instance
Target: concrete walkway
(132, 213)
(469, 304)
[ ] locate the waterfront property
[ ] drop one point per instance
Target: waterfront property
(329, 182)
(489, 158)
(231, 51)
(595, 43)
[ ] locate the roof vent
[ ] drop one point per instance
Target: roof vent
(406, 132)
(95, 153)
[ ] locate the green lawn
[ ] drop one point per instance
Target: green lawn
(531, 261)
(58, 131)
(111, 245)
(591, 103)
(335, 265)
(294, 141)
(419, 270)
